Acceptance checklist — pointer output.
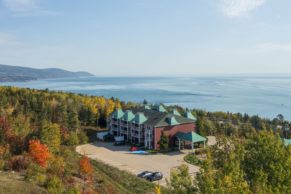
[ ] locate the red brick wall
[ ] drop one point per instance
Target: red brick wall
(170, 131)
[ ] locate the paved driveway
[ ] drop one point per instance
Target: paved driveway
(120, 157)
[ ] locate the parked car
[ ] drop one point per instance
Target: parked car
(155, 176)
(144, 174)
(133, 148)
(108, 138)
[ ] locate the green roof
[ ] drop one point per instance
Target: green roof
(159, 119)
(160, 108)
(287, 142)
(176, 112)
(172, 121)
(128, 116)
(191, 136)
(139, 118)
(189, 115)
(118, 114)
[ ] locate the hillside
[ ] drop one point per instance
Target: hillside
(16, 73)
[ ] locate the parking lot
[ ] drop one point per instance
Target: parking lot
(122, 158)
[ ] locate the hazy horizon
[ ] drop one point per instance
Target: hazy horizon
(148, 37)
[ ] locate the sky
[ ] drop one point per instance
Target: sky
(148, 37)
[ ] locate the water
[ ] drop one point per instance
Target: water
(265, 96)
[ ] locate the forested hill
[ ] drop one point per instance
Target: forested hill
(39, 129)
(15, 73)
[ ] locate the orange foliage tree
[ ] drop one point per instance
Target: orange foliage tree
(38, 152)
(85, 167)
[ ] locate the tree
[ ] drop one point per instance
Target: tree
(164, 142)
(38, 152)
(73, 120)
(85, 168)
(206, 177)
(180, 180)
(50, 134)
(145, 102)
(267, 163)
(73, 139)
(221, 171)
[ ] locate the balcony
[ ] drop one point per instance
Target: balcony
(114, 128)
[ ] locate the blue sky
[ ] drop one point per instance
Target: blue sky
(148, 37)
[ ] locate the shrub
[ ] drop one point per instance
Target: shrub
(40, 179)
(73, 139)
(200, 151)
(73, 190)
(56, 165)
(85, 167)
(2, 164)
(55, 185)
(33, 172)
(192, 159)
(19, 163)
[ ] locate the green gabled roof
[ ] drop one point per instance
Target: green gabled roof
(160, 108)
(287, 142)
(159, 119)
(176, 112)
(118, 114)
(189, 115)
(191, 136)
(139, 118)
(128, 116)
(172, 121)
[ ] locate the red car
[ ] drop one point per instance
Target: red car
(133, 148)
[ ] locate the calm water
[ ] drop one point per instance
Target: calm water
(265, 96)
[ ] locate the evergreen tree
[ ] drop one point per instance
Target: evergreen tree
(164, 142)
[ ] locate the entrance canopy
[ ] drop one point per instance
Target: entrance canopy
(190, 137)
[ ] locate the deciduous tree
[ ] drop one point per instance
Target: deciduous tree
(38, 152)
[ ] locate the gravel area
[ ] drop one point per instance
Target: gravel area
(122, 158)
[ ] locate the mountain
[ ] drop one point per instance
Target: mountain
(16, 73)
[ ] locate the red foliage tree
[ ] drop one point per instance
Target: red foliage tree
(38, 152)
(85, 167)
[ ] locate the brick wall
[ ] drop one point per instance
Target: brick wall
(170, 131)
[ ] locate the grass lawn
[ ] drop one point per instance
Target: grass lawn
(14, 183)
